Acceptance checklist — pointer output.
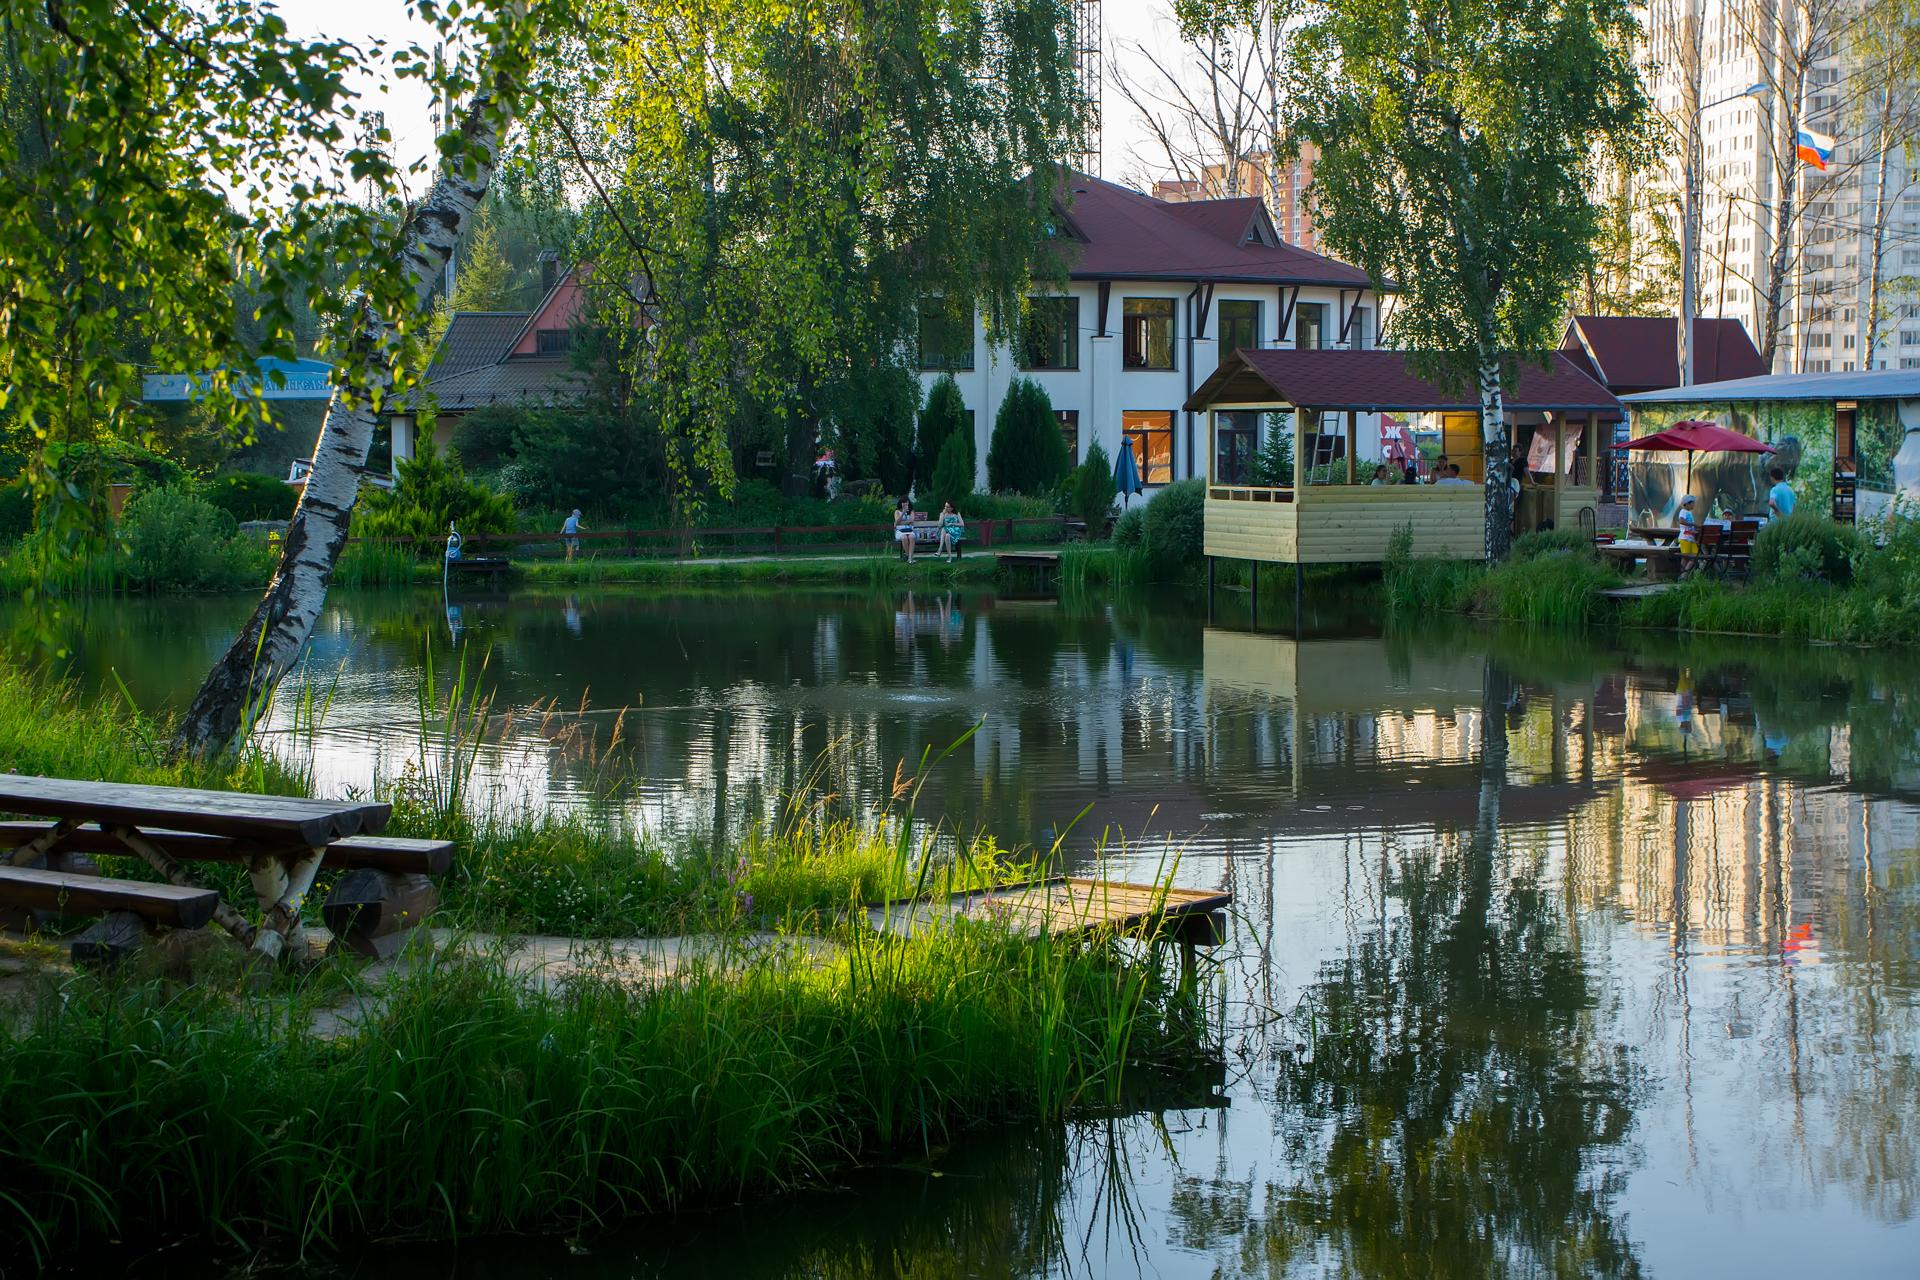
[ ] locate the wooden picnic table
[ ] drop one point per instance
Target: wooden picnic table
(281, 839)
(1662, 558)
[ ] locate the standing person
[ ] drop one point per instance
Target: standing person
(903, 528)
(1780, 498)
(1689, 526)
(952, 529)
(570, 531)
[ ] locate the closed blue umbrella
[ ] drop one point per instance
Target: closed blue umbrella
(1126, 473)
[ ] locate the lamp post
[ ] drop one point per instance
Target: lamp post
(1689, 216)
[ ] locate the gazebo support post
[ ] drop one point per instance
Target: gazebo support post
(1353, 437)
(1253, 591)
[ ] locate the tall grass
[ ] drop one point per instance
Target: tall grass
(470, 1102)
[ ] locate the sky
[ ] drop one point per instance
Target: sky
(1125, 145)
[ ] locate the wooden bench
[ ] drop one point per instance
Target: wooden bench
(282, 841)
(491, 566)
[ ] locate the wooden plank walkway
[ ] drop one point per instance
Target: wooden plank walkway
(1044, 561)
(1065, 906)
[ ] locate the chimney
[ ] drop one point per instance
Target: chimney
(549, 261)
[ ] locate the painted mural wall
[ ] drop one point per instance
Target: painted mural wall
(1736, 484)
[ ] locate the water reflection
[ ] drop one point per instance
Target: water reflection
(1556, 955)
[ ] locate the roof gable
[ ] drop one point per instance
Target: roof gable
(1128, 235)
(1642, 353)
(560, 309)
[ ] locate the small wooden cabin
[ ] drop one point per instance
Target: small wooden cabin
(1333, 513)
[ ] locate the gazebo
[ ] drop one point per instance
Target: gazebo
(1351, 520)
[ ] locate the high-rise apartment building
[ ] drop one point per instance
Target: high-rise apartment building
(1286, 200)
(1770, 87)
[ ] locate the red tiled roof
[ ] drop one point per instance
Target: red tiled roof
(1641, 353)
(1127, 235)
(1375, 381)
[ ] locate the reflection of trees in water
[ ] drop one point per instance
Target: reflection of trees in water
(1457, 1113)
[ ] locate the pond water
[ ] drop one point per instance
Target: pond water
(1552, 956)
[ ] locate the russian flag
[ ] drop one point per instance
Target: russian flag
(1816, 148)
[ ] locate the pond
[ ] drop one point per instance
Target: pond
(1552, 955)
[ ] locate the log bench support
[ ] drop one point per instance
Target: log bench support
(371, 913)
(281, 884)
(160, 860)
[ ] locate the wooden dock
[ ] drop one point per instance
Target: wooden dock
(1066, 906)
(1042, 561)
(1638, 591)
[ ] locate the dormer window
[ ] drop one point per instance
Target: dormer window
(1260, 232)
(551, 342)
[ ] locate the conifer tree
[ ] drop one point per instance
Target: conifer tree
(1027, 454)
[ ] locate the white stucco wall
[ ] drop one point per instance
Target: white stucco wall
(1101, 390)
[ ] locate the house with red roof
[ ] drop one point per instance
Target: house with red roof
(488, 358)
(1157, 292)
(1631, 354)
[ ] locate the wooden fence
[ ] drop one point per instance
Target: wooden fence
(739, 540)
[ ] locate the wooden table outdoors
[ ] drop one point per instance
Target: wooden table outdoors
(1663, 558)
(281, 839)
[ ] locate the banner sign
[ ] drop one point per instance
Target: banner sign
(298, 380)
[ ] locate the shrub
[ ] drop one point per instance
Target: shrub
(177, 541)
(1130, 530)
(1176, 529)
(1028, 454)
(1091, 491)
(1548, 541)
(432, 492)
(245, 495)
(1806, 547)
(1005, 506)
(952, 478)
(16, 511)
(944, 418)
(490, 437)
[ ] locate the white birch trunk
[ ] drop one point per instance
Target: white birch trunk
(1493, 434)
(238, 688)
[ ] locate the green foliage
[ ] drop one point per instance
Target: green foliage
(162, 210)
(1176, 529)
(247, 496)
(1806, 547)
(178, 541)
(1006, 506)
(490, 437)
(1542, 542)
(1130, 530)
(1092, 491)
(873, 413)
(872, 156)
(952, 479)
(1273, 464)
(431, 493)
(16, 511)
(1458, 147)
(594, 457)
(1027, 454)
(944, 417)
(1556, 589)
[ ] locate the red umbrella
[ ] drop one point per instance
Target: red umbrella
(1696, 436)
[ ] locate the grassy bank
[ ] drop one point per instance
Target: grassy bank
(472, 1104)
(467, 1101)
(1807, 584)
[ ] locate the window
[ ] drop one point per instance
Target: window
(1149, 433)
(1052, 339)
(1070, 433)
(1362, 328)
(1310, 326)
(1239, 325)
(945, 341)
(1236, 439)
(551, 342)
(1909, 338)
(1148, 325)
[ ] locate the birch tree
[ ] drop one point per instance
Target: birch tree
(374, 355)
(1457, 151)
(1209, 103)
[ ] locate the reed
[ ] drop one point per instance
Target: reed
(471, 1102)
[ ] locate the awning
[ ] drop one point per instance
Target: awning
(1698, 437)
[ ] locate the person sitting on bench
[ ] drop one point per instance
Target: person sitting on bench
(952, 531)
(903, 528)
